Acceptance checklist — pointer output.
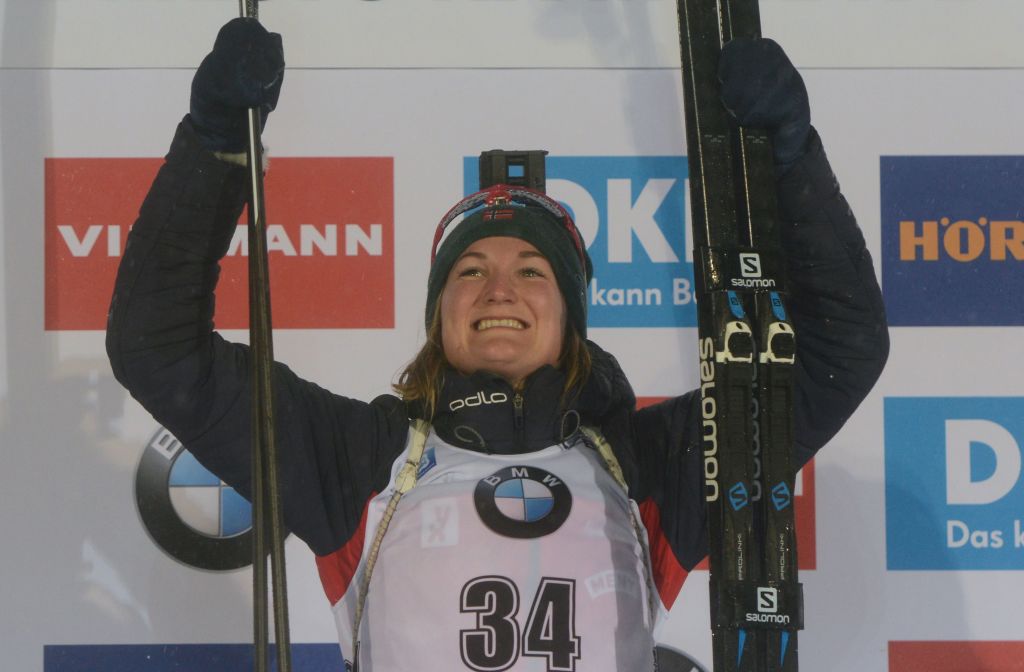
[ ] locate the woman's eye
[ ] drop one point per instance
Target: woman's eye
(470, 272)
(531, 272)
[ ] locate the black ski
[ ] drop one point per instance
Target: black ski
(747, 349)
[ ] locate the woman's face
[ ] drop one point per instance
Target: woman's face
(501, 310)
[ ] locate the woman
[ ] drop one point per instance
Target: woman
(526, 543)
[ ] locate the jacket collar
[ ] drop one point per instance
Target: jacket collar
(483, 412)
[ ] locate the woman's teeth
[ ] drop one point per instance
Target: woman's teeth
(508, 323)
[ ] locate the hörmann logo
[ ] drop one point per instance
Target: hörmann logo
(954, 483)
(331, 250)
(953, 240)
(964, 240)
(631, 212)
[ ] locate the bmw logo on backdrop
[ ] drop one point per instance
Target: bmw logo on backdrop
(190, 513)
(672, 660)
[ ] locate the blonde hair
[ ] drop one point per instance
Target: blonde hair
(423, 377)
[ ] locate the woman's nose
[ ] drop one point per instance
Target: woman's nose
(499, 289)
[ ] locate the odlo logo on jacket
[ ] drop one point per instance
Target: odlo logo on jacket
(478, 399)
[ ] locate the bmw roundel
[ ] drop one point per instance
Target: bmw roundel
(190, 513)
(673, 659)
(522, 502)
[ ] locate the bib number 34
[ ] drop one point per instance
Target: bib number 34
(497, 641)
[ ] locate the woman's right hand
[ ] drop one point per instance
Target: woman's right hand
(244, 70)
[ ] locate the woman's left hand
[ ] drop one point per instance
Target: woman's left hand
(761, 88)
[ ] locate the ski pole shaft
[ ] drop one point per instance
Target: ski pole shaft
(267, 518)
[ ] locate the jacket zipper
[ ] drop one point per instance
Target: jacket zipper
(519, 422)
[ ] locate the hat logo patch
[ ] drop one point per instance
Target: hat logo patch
(498, 214)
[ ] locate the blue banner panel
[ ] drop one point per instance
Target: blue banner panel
(953, 240)
(181, 658)
(631, 212)
(954, 492)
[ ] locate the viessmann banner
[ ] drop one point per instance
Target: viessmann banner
(330, 233)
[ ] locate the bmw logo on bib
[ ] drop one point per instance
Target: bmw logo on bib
(522, 502)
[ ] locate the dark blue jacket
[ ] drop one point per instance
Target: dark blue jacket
(336, 451)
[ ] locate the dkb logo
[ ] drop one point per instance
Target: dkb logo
(954, 492)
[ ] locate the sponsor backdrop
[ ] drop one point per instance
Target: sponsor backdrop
(121, 553)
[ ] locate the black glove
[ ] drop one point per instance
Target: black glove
(245, 69)
(762, 89)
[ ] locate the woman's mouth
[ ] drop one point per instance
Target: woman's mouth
(505, 322)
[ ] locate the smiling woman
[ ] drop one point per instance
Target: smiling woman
(506, 294)
(550, 518)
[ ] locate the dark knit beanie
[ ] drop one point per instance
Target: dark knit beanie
(516, 212)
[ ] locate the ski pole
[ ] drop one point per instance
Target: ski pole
(266, 500)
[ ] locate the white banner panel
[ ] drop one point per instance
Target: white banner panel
(80, 567)
(504, 33)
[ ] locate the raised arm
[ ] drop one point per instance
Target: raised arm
(834, 300)
(836, 304)
(160, 339)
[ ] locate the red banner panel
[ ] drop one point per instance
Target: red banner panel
(963, 656)
(330, 238)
